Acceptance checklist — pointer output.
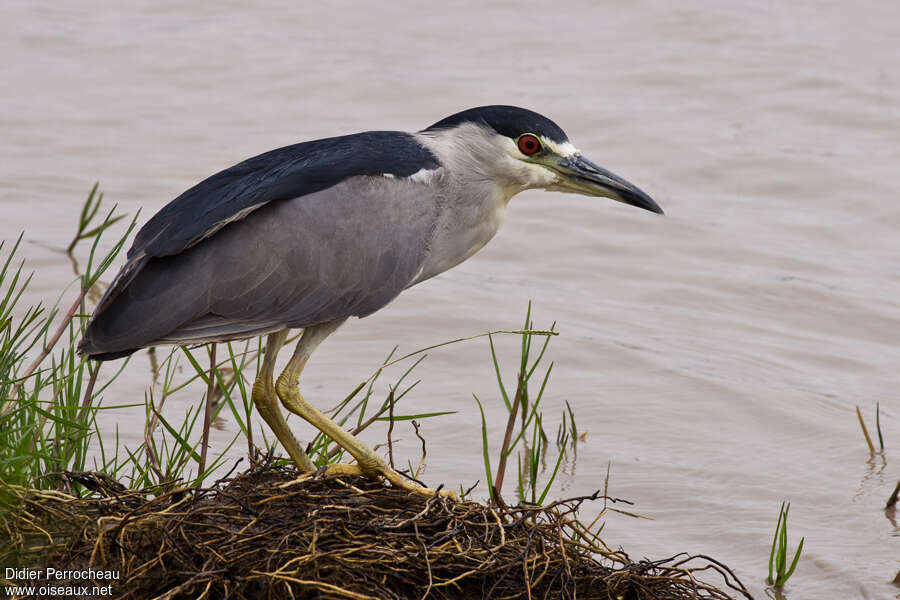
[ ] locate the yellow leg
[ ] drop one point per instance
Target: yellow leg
(266, 403)
(286, 387)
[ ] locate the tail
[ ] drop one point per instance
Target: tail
(85, 349)
(147, 301)
(89, 345)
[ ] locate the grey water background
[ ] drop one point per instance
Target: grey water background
(714, 356)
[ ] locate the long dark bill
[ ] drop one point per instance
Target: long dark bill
(583, 176)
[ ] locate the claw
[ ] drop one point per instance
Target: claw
(385, 472)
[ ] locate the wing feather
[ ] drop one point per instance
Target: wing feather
(289, 172)
(282, 174)
(347, 250)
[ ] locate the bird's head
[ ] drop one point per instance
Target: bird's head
(521, 149)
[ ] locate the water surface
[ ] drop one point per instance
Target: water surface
(714, 357)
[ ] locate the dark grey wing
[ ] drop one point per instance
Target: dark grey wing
(285, 173)
(288, 172)
(344, 251)
(232, 195)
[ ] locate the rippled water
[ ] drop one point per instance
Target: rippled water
(714, 356)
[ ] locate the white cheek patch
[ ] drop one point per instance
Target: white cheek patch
(563, 149)
(541, 177)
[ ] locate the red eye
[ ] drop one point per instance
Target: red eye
(529, 144)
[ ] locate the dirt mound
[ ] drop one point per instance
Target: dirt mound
(271, 534)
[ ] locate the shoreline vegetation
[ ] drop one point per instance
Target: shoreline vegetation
(75, 498)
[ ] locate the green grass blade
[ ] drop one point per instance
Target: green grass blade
(417, 416)
(484, 448)
(878, 426)
(790, 571)
(774, 544)
(496, 362)
(782, 544)
(526, 341)
(553, 475)
(540, 355)
(182, 442)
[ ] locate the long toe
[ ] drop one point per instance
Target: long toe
(396, 479)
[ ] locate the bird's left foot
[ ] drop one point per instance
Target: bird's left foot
(384, 471)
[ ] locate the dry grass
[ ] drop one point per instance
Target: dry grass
(269, 534)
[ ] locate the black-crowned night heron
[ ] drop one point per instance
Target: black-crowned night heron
(309, 235)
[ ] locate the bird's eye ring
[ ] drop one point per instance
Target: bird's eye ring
(528, 144)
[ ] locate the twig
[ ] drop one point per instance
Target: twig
(89, 391)
(507, 437)
(148, 435)
(421, 464)
(154, 364)
(865, 431)
(878, 426)
(207, 415)
(427, 562)
(390, 430)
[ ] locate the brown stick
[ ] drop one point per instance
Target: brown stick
(148, 434)
(510, 425)
(865, 431)
(207, 416)
(89, 391)
(390, 427)
(421, 464)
